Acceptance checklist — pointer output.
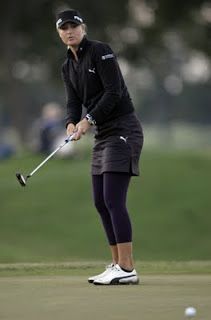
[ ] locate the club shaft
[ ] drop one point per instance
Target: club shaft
(51, 155)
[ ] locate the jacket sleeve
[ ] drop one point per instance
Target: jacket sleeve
(110, 75)
(73, 103)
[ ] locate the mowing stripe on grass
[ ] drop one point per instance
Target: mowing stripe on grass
(88, 267)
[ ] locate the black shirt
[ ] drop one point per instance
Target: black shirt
(95, 82)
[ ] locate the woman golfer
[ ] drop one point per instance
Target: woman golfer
(93, 79)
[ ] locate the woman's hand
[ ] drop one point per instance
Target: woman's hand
(70, 129)
(81, 128)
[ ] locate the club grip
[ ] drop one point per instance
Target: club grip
(69, 138)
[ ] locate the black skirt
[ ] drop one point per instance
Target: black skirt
(118, 145)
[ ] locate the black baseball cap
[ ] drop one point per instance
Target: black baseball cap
(70, 15)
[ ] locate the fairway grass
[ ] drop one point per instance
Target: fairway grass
(160, 297)
(54, 219)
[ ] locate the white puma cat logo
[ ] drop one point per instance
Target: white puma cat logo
(92, 70)
(123, 138)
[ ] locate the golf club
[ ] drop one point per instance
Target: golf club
(22, 180)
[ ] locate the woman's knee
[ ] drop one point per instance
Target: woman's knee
(100, 206)
(111, 203)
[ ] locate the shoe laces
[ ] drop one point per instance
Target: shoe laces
(117, 268)
(110, 266)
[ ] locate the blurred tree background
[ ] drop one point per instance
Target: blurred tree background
(163, 49)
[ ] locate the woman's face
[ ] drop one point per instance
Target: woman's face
(71, 34)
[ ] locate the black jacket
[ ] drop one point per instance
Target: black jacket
(96, 83)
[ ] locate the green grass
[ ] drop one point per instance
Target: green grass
(160, 297)
(53, 218)
(85, 268)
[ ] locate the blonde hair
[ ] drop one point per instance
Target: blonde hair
(85, 28)
(83, 25)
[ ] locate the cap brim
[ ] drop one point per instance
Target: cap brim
(59, 25)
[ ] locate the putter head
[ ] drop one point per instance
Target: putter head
(21, 179)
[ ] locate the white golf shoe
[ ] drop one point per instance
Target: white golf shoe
(106, 272)
(117, 276)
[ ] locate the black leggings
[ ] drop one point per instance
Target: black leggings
(110, 192)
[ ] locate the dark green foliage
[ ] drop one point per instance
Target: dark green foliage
(28, 34)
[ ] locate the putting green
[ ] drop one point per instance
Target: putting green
(160, 297)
